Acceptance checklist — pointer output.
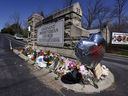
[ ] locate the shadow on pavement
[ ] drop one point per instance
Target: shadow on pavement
(16, 79)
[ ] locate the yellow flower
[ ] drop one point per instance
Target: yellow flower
(49, 62)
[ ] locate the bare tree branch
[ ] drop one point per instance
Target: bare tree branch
(68, 3)
(92, 11)
(103, 17)
(15, 20)
(119, 10)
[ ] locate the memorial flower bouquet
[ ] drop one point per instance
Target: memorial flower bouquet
(48, 57)
(72, 65)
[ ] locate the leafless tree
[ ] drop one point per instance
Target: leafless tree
(68, 3)
(7, 24)
(103, 17)
(92, 11)
(15, 19)
(123, 26)
(25, 24)
(119, 10)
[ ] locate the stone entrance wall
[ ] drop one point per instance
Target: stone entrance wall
(62, 51)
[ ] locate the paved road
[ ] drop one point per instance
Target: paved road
(17, 79)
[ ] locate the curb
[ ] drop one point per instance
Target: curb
(88, 89)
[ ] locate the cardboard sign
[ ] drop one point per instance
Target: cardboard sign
(98, 71)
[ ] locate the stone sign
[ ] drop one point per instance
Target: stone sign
(51, 34)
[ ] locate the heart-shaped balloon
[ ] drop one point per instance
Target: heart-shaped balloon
(90, 51)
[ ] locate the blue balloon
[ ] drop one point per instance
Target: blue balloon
(90, 51)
